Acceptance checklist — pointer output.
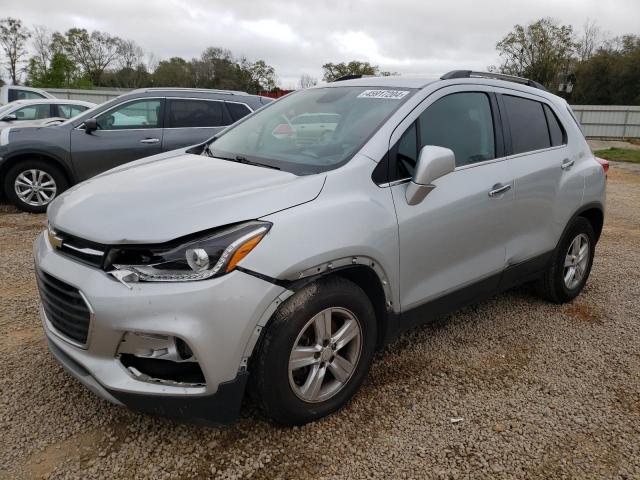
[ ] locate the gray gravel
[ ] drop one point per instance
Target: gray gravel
(543, 391)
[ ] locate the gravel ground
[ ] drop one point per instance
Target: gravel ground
(543, 391)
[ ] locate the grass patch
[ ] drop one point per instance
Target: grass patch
(619, 154)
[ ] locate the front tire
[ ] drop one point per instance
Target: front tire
(315, 353)
(32, 185)
(571, 263)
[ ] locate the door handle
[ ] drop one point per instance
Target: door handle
(567, 164)
(150, 140)
(497, 189)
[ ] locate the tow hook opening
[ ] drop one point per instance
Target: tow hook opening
(160, 359)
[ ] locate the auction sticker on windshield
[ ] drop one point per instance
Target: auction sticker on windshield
(388, 94)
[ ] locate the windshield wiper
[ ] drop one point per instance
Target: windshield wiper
(241, 159)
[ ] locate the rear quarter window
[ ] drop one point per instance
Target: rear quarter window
(556, 131)
(237, 110)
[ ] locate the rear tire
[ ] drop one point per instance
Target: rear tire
(570, 265)
(285, 391)
(31, 185)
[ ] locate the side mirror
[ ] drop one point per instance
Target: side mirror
(433, 163)
(10, 118)
(90, 124)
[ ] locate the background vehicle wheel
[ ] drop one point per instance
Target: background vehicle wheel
(32, 184)
(570, 265)
(315, 353)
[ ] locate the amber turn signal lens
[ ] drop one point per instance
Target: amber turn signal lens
(243, 251)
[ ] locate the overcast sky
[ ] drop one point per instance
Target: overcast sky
(408, 36)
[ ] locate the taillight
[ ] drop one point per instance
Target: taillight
(605, 165)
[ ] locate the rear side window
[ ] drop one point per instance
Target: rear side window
(237, 110)
(556, 132)
(463, 123)
(527, 123)
(195, 113)
(68, 111)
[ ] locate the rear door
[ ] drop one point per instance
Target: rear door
(189, 121)
(126, 132)
(547, 188)
(456, 237)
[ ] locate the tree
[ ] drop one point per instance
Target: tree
(264, 75)
(589, 42)
(41, 43)
(92, 52)
(61, 72)
(539, 51)
(333, 71)
(307, 81)
(13, 40)
(130, 54)
(611, 76)
(175, 72)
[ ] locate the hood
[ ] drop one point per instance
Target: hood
(159, 200)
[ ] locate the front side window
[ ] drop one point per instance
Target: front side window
(195, 113)
(33, 112)
(133, 115)
(463, 123)
(527, 123)
(70, 111)
(270, 137)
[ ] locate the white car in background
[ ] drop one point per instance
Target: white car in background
(11, 93)
(22, 113)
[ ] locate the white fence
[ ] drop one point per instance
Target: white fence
(609, 121)
(95, 96)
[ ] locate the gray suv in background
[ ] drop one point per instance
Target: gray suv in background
(39, 163)
(279, 260)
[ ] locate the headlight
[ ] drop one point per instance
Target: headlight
(198, 259)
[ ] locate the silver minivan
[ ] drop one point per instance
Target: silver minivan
(263, 262)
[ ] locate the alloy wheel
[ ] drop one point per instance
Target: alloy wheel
(35, 187)
(325, 354)
(576, 261)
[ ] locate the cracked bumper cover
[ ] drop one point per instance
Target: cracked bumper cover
(216, 317)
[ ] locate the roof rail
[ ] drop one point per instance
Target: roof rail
(498, 76)
(183, 89)
(348, 77)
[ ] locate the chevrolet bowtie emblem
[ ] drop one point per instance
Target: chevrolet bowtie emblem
(54, 240)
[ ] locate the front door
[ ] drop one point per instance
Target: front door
(456, 237)
(127, 132)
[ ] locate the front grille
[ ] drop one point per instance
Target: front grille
(78, 249)
(65, 308)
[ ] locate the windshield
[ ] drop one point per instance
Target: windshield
(312, 130)
(7, 107)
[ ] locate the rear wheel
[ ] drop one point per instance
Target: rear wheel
(571, 264)
(32, 185)
(315, 353)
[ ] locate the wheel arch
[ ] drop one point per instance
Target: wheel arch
(363, 271)
(595, 216)
(25, 156)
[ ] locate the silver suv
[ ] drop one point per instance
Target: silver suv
(263, 260)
